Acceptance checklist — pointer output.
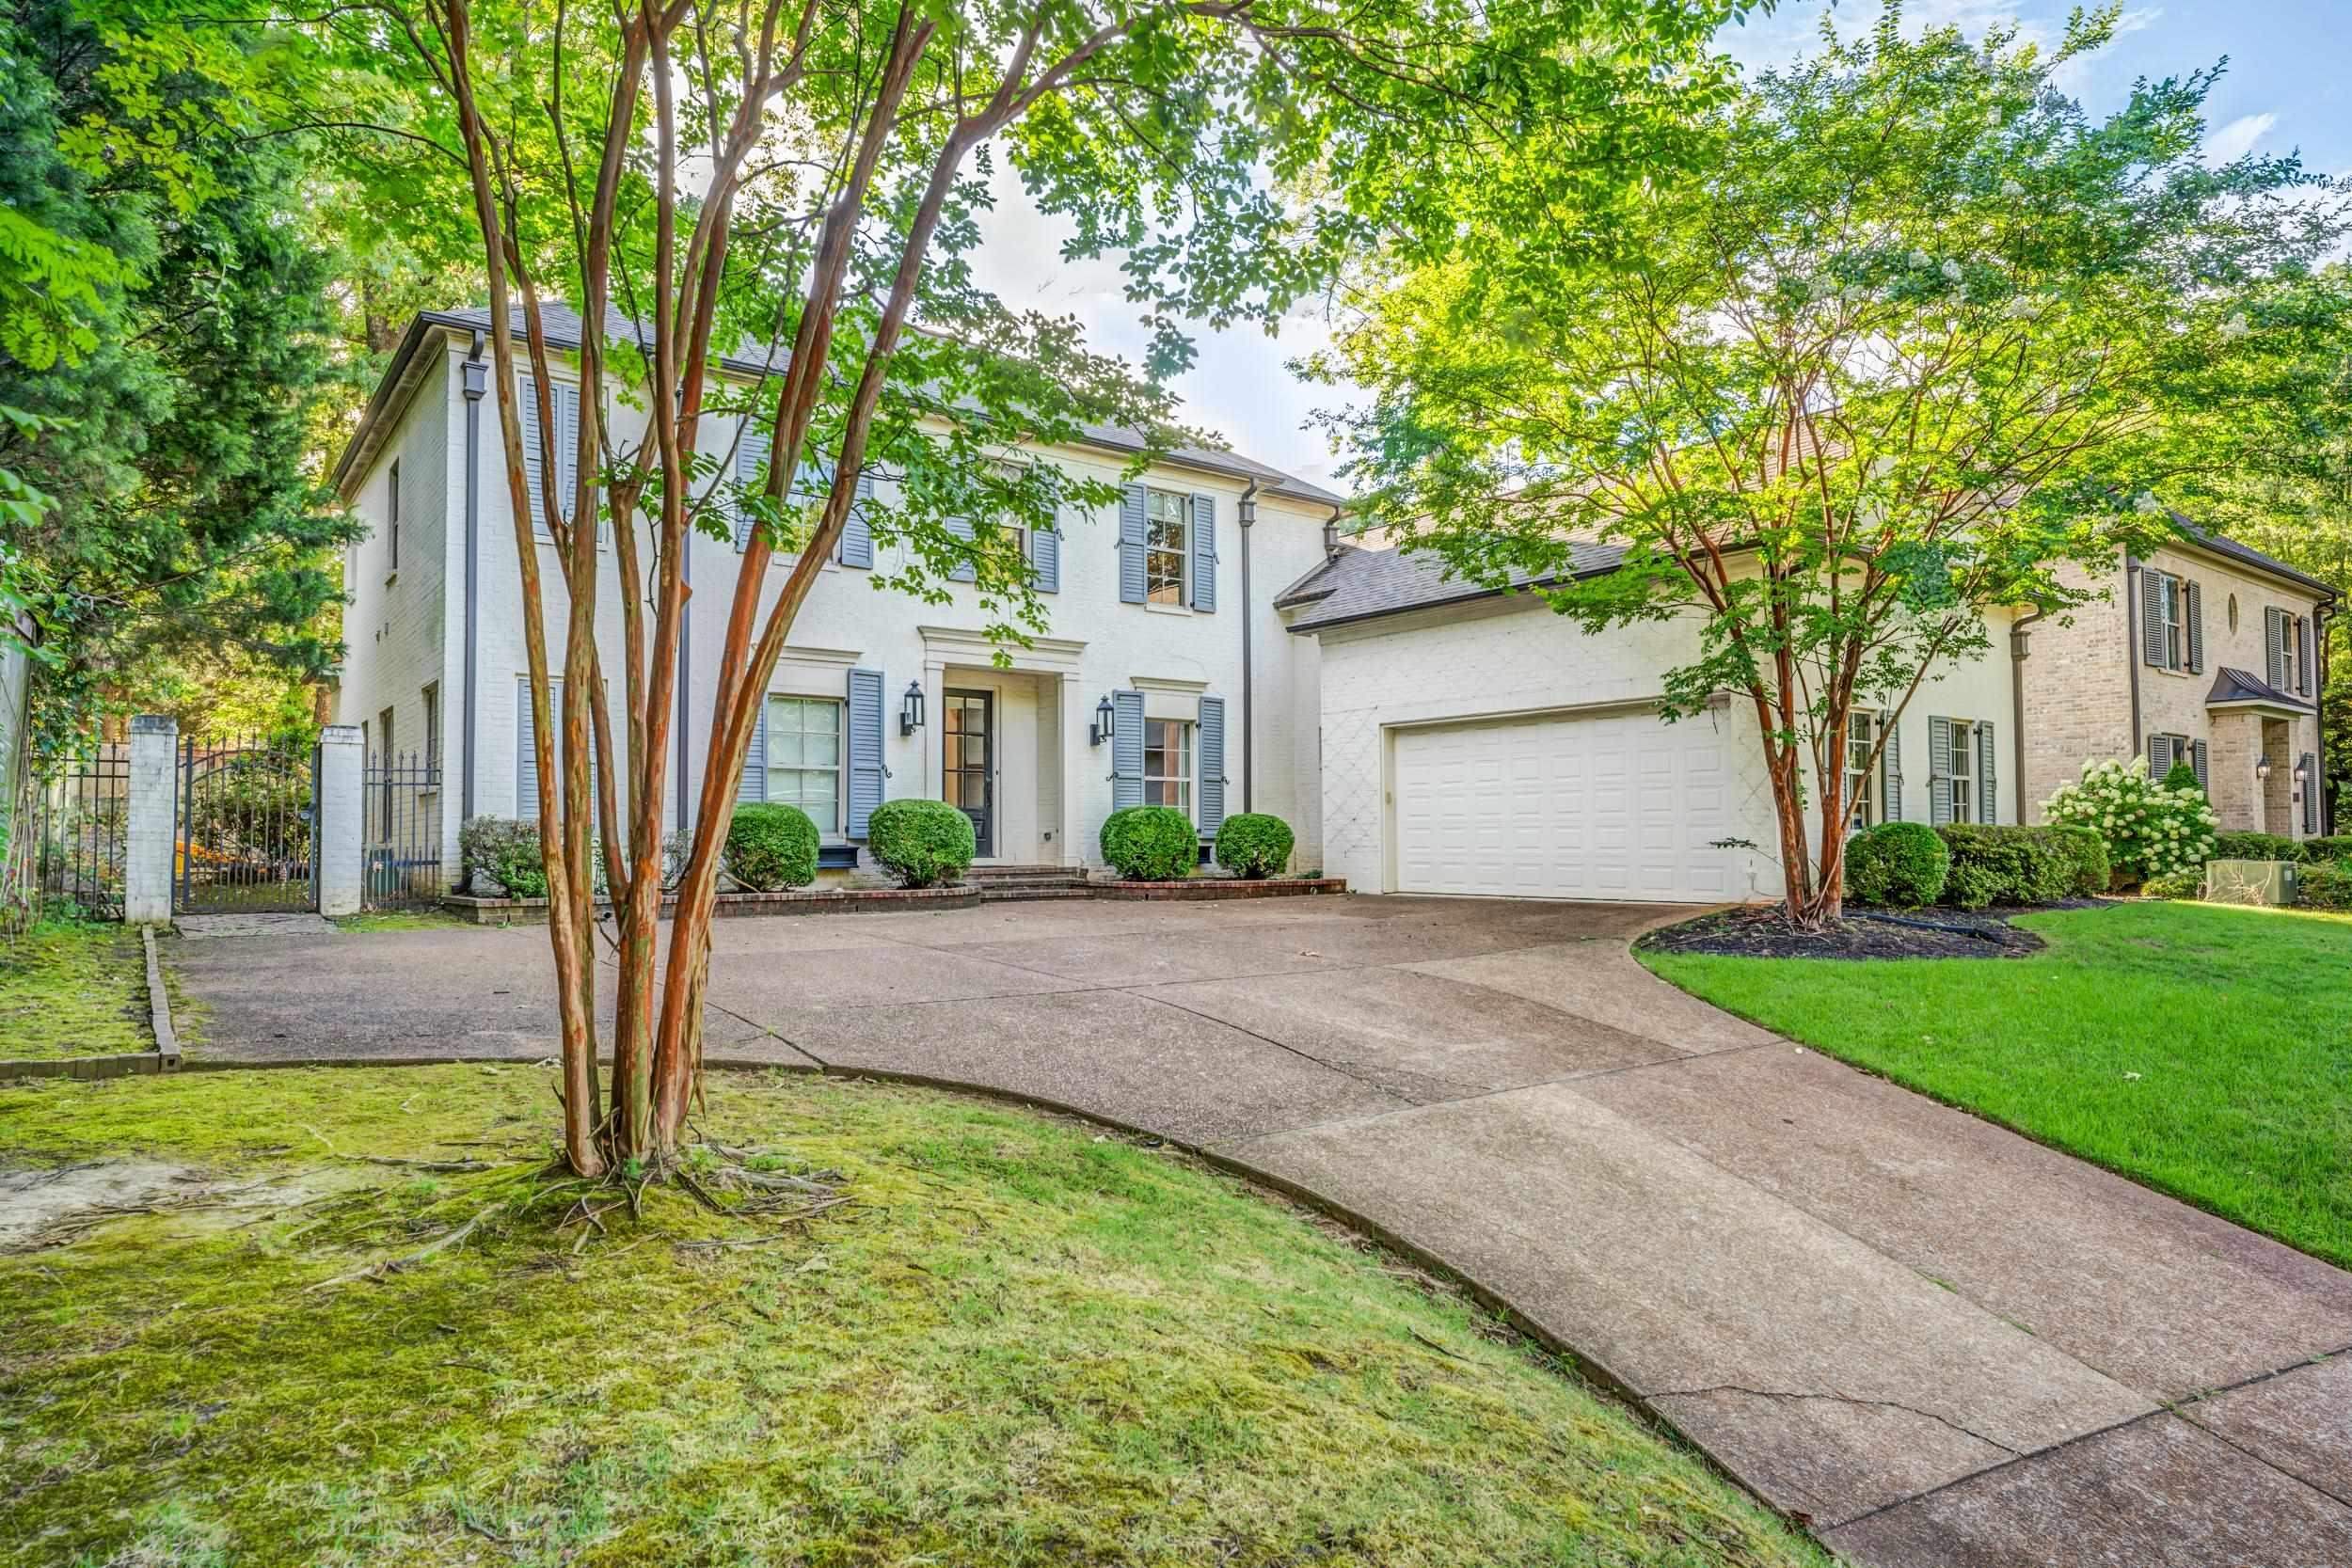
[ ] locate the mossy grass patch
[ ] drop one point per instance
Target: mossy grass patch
(1021, 1340)
(72, 989)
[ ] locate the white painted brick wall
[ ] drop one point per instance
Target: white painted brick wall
(150, 832)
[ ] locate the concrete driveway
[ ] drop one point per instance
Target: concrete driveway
(1936, 1342)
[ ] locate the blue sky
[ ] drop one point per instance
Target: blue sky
(2285, 90)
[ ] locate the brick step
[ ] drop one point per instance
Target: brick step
(984, 873)
(1025, 894)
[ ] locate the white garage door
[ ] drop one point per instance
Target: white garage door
(1621, 806)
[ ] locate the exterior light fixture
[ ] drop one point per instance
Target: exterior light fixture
(910, 708)
(1106, 717)
(2298, 773)
(2261, 767)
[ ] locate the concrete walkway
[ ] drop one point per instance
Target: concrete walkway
(1935, 1341)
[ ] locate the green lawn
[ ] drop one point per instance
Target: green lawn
(72, 990)
(2206, 1051)
(1022, 1341)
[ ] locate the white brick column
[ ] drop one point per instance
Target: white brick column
(340, 820)
(149, 833)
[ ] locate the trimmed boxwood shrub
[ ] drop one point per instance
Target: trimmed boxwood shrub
(2326, 885)
(2335, 846)
(2005, 865)
(2087, 852)
(1902, 864)
(2255, 846)
(922, 842)
(2175, 884)
(507, 851)
(1150, 843)
(1253, 844)
(771, 848)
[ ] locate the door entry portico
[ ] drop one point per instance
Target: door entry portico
(968, 774)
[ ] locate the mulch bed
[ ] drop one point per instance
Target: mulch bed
(1757, 932)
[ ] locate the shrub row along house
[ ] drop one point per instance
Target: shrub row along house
(1421, 734)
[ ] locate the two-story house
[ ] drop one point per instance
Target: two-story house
(2208, 652)
(1164, 676)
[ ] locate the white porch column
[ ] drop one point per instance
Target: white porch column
(149, 833)
(339, 820)
(1078, 757)
(935, 748)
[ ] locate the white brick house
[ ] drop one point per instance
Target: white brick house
(1161, 620)
(1474, 742)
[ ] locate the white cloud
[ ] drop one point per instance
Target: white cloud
(2237, 138)
(2137, 21)
(1240, 386)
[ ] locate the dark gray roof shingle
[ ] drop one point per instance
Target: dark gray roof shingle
(563, 324)
(1358, 585)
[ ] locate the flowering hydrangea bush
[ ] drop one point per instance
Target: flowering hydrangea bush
(2152, 830)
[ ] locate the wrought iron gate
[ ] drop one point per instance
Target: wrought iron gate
(247, 827)
(79, 814)
(402, 798)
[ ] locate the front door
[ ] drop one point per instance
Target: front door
(970, 737)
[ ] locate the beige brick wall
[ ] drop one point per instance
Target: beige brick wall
(2079, 691)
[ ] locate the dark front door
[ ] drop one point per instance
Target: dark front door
(970, 737)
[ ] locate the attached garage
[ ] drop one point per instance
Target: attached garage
(1612, 805)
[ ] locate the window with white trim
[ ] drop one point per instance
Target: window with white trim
(2291, 652)
(1961, 766)
(804, 757)
(2168, 600)
(1862, 803)
(1166, 546)
(1167, 763)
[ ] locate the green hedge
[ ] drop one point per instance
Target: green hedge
(2255, 846)
(2327, 885)
(2007, 865)
(2336, 847)
(2087, 853)
(1253, 844)
(508, 851)
(922, 842)
(2175, 884)
(771, 848)
(1899, 863)
(1150, 843)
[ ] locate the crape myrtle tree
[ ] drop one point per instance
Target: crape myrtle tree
(1916, 333)
(797, 184)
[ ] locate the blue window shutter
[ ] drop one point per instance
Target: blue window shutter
(746, 481)
(1939, 771)
(2197, 760)
(2159, 756)
(566, 399)
(534, 468)
(857, 534)
(526, 755)
(1988, 791)
(2303, 684)
(1204, 551)
(2312, 786)
(866, 772)
(2275, 646)
(963, 570)
(753, 784)
(1131, 537)
(1045, 559)
(2154, 646)
(1890, 769)
(1209, 753)
(1126, 749)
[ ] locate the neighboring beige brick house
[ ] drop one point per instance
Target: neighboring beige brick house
(2207, 652)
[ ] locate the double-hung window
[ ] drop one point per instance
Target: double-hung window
(2168, 603)
(1166, 546)
(804, 757)
(1167, 763)
(1862, 803)
(1963, 767)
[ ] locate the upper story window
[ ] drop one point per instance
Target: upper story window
(1168, 545)
(2175, 635)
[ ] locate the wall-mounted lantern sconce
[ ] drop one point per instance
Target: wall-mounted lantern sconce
(910, 708)
(2298, 775)
(2261, 767)
(1105, 718)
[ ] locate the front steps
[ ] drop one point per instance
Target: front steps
(1001, 884)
